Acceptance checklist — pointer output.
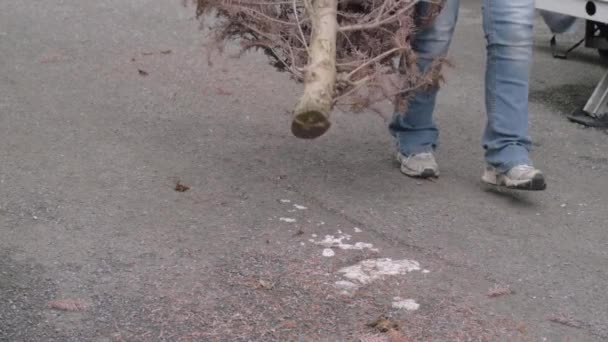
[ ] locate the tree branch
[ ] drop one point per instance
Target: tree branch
(376, 23)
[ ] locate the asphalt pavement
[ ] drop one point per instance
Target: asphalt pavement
(105, 106)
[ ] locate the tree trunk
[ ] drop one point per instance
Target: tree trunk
(311, 115)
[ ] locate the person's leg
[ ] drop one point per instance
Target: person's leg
(508, 27)
(415, 130)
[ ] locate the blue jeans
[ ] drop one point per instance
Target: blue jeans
(508, 27)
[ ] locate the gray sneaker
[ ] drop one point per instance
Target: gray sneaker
(521, 177)
(421, 165)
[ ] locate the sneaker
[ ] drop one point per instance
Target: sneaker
(421, 165)
(521, 177)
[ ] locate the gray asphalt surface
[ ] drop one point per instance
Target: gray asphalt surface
(91, 149)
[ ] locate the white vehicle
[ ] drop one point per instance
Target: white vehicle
(596, 36)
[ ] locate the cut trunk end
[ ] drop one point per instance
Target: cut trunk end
(310, 124)
(311, 115)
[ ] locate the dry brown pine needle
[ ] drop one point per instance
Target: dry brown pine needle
(265, 285)
(179, 187)
(498, 291)
(384, 324)
(68, 305)
(566, 320)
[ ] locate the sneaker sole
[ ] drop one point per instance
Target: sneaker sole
(537, 183)
(428, 173)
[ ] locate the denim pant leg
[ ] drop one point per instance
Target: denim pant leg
(415, 130)
(508, 27)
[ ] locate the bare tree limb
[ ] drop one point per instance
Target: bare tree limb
(342, 50)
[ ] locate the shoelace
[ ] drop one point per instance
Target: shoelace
(423, 155)
(520, 170)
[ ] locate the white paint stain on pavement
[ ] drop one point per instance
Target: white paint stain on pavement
(370, 270)
(426, 271)
(285, 201)
(328, 252)
(357, 230)
(299, 207)
(346, 287)
(287, 219)
(331, 241)
(407, 304)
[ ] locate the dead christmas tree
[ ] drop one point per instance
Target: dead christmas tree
(351, 53)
